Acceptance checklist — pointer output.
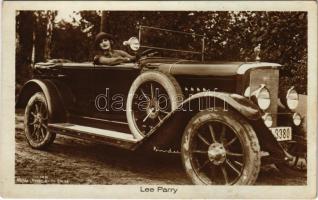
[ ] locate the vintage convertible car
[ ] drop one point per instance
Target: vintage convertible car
(224, 118)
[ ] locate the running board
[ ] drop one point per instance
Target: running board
(114, 138)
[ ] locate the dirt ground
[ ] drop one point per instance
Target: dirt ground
(74, 161)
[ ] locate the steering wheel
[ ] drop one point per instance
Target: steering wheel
(148, 53)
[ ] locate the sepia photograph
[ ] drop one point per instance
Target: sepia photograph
(162, 99)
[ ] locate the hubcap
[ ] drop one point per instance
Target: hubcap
(148, 108)
(153, 108)
(38, 118)
(216, 153)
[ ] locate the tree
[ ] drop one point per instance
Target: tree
(43, 34)
(25, 28)
(25, 21)
(230, 36)
(33, 40)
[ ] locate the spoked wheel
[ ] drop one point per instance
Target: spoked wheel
(36, 121)
(298, 164)
(150, 106)
(220, 148)
(152, 96)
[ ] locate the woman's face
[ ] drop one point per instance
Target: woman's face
(105, 44)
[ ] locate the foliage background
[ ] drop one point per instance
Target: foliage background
(231, 36)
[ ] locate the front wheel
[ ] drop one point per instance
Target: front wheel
(220, 148)
(36, 122)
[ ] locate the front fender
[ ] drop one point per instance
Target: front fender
(212, 100)
(56, 107)
(173, 124)
(168, 133)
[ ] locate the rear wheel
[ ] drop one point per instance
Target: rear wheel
(220, 148)
(36, 122)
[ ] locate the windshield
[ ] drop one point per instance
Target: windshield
(172, 43)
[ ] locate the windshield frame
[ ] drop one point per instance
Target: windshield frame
(203, 37)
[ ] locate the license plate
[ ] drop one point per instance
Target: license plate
(282, 133)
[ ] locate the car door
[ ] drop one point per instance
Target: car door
(111, 85)
(78, 78)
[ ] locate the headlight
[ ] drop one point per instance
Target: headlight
(292, 98)
(296, 119)
(263, 97)
(268, 120)
(133, 43)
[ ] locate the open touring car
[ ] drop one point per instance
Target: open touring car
(226, 119)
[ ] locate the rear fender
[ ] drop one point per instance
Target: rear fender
(55, 103)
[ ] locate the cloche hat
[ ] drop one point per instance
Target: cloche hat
(102, 35)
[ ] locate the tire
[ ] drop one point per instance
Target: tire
(36, 121)
(212, 156)
(298, 165)
(145, 108)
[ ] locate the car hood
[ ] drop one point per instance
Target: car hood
(210, 69)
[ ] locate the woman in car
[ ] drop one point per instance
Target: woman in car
(106, 55)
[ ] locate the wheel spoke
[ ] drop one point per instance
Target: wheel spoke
(33, 114)
(147, 116)
(203, 139)
(225, 175)
(34, 130)
(38, 132)
(212, 133)
(160, 119)
(239, 163)
(222, 133)
(144, 94)
(44, 126)
(42, 133)
(231, 142)
(233, 167)
(150, 127)
(200, 151)
(234, 154)
(32, 123)
(37, 108)
(204, 164)
(163, 111)
(151, 91)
